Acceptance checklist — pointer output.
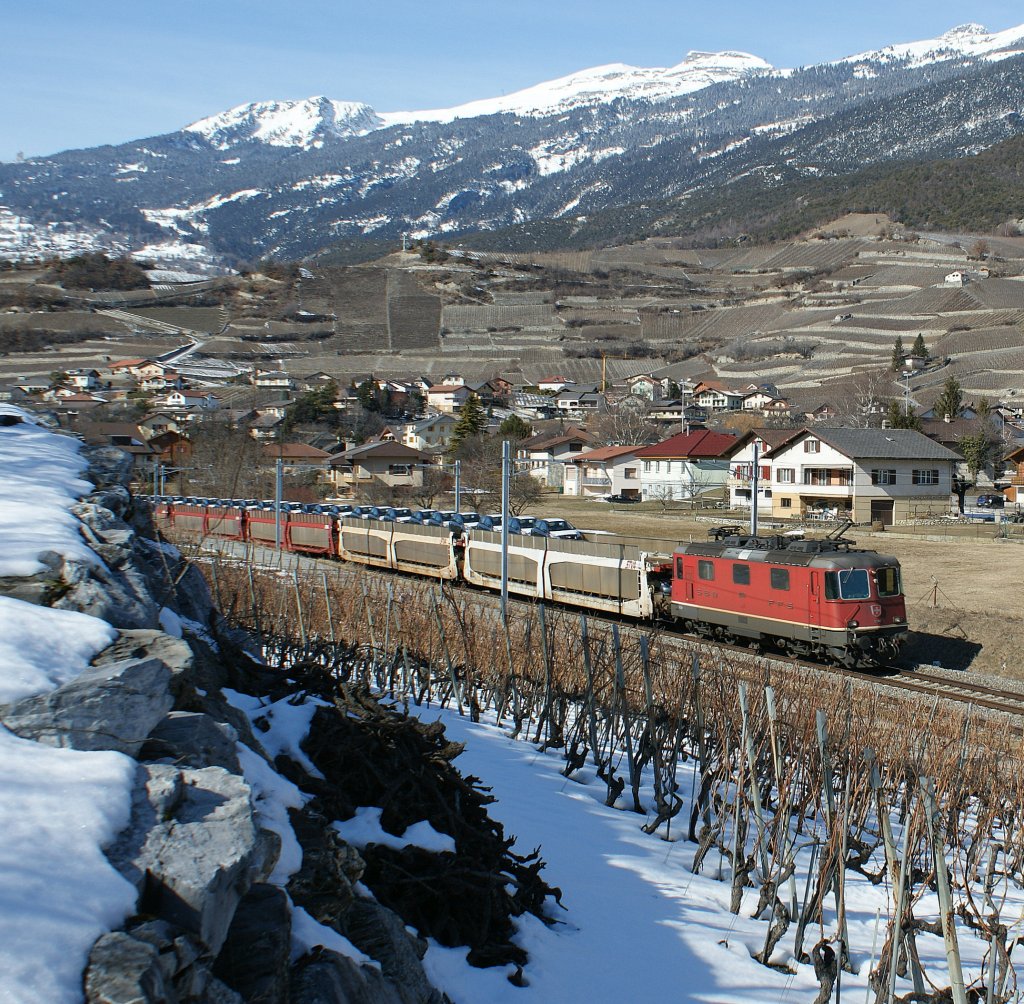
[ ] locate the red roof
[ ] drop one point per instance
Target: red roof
(606, 453)
(697, 444)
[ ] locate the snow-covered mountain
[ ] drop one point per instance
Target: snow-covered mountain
(602, 84)
(292, 177)
(303, 124)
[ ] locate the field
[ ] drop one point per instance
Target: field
(964, 598)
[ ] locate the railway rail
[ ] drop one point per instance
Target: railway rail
(922, 681)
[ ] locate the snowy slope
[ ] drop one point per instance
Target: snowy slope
(602, 84)
(304, 124)
(973, 41)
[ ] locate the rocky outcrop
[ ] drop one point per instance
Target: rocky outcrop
(213, 920)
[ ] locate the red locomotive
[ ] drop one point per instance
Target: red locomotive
(817, 598)
(821, 599)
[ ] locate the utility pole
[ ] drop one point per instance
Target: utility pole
(506, 464)
(753, 491)
(278, 471)
(458, 486)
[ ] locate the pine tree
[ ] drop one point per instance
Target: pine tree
(951, 401)
(898, 355)
(472, 421)
(920, 350)
(898, 418)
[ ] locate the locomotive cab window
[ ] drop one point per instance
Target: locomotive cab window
(741, 575)
(780, 578)
(849, 584)
(888, 580)
(706, 570)
(679, 569)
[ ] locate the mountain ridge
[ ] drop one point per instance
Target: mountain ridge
(292, 178)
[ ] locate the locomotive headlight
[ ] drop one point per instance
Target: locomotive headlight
(854, 624)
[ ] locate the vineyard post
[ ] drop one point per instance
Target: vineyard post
(821, 724)
(896, 937)
(702, 747)
(447, 657)
(620, 687)
(387, 617)
(591, 697)
(330, 613)
(936, 838)
(546, 712)
(369, 616)
(755, 787)
(298, 610)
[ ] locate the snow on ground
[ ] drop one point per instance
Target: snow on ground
(58, 893)
(40, 648)
(637, 922)
(40, 479)
(58, 807)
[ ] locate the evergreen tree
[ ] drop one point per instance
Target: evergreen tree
(951, 401)
(472, 421)
(898, 355)
(898, 418)
(919, 349)
(514, 427)
(977, 450)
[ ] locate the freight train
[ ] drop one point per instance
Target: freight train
(822, 599)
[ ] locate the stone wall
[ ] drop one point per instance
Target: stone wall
(214, 915)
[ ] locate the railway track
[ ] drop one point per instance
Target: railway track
(921, 681)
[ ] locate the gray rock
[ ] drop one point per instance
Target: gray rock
(330, 978)
(192, 848)
(255, 958)
(108, 707)
(108, 465)
(381, 934)
(122, 970)
(192, 739)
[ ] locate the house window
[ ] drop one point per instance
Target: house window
(885, 476)
(629, 472)
(741, 575)
(785, 475)
(780, 578)
(401, 470)
(926, 477)
(706, 570)
(812, 446)
(647, 467)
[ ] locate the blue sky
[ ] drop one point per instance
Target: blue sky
(77, 74)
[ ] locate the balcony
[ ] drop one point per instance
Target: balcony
(594, 481)
(828, 477)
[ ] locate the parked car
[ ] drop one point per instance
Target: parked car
(559, 528)
(522, 524)
(622, 498)
(991, 501)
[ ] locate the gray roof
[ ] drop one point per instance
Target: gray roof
(884, 444)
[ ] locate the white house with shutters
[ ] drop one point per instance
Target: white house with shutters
(869, 475)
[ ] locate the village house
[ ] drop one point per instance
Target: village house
(1014, 467)
(714, 396)
(277, 379)
(294, 457)
(608, 470)
(579, 401)
(545, 455)
(554, 384)
(83, 379)
(387, 463)
(448, 397)
(190, 400)
(431, 433)
(741, 467)
(685, 466)
(872, 475)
